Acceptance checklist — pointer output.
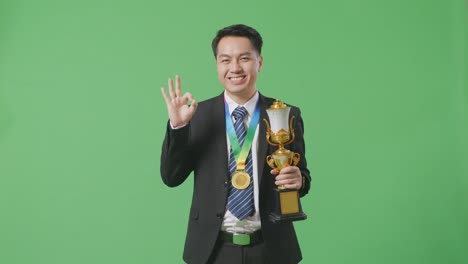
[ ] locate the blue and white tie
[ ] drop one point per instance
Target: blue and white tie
(241, 202)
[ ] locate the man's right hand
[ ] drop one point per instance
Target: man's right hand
(180, 113)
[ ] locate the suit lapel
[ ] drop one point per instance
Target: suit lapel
(262, 144)
(220, 123)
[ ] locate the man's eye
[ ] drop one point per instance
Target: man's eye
(244, 59)
(224, 61)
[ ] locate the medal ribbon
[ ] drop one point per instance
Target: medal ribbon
(241, 154)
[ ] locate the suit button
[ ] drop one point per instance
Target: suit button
(219, 215)
(226, 183)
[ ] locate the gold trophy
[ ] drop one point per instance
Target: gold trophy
(288, 207)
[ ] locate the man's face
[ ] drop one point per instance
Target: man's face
(238, 64)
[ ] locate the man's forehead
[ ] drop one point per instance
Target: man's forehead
(235, 44)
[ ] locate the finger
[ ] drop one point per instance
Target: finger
(289, 169)
(178, 88)
(193, 106)
(183, 99)
(171, 88)
(189, 96)
(166, 98)
(283, 176)
(292, 186)
(274, 171)
(288, 182)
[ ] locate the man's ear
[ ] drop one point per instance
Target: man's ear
(260, 63)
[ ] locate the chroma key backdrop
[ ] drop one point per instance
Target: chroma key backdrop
(382, 86)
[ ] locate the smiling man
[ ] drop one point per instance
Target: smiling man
(229, 223)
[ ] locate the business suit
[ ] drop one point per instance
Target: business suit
(201, 147)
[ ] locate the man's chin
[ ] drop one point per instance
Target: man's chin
(236, 90)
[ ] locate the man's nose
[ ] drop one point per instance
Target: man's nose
(235, 67)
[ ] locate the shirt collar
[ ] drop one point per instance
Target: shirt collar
(249, 105)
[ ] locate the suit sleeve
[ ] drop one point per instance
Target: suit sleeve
(176, 156)
(299, 146)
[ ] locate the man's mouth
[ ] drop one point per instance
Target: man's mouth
(236, 79)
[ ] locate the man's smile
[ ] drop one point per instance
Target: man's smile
(237, 79)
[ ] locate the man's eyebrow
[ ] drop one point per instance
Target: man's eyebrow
(245, 53)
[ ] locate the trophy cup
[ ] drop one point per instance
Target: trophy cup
(288, 207)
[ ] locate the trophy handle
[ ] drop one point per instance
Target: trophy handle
(295, 159)
(268, 133)
(271, 162)
(291, 131)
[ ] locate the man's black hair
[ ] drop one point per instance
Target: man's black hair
(238, 30)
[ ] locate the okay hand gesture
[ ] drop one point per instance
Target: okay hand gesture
(180, 113)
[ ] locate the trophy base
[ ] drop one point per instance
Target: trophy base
(288, 207)
(286, 218)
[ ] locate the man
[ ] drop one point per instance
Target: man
(198, 139)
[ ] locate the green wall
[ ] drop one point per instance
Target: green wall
(382, 86)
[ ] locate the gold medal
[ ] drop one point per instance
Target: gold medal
(240, 180)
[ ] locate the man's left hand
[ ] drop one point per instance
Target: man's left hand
(289, 176)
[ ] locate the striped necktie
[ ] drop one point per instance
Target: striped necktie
(241, 202)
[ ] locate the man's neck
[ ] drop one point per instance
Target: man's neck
(241, 99)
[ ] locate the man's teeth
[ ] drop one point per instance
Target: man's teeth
(236, 78)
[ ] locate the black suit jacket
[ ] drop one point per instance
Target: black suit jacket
(201, 147)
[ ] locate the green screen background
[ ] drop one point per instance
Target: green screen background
(382, 86)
